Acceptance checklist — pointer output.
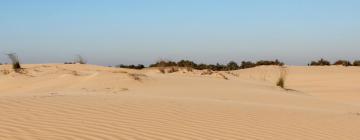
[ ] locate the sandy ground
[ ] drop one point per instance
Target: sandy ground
(87, 102)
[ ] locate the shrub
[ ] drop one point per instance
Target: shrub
(186, 63)
(281, 80)
(356, 63)
(139, 66)
(321, 62)
(15, 61)
(343, 62)
(163, 63)
(247, 64)
(266, 62)
(232, 66)
(173, 69)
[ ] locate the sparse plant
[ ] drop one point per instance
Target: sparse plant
(162, 70)
(173, 69)
(15, 61)
(282, 77)
(136, 76)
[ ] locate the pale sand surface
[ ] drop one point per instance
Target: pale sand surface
(85, 102)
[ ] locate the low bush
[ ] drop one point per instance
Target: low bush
(321, 62)
(343, 62)
(139, 66)
(356, 63)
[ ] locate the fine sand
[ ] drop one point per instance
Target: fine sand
(87, 102)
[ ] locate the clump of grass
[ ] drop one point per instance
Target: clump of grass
(282, 77)
(136, 76)
(173, 69)
(223, 76)
(162, 70)
(15, 61)
(207, 72)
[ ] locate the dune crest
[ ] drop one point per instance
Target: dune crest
(55, 101)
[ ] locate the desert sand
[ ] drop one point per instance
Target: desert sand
(88, 102)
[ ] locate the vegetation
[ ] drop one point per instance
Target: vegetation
(356, 63)
(282, 77)
(343, 62)
(232, 65)
(139, 66)
(321, 62)
(15, 61)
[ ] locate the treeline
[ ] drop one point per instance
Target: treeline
(232, 65)
(323, 62)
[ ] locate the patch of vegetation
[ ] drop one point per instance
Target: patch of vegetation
(282, 77)
(356, 63)
(232, 65)
(139, 66)
(343, 62)
(15, 61)
(321, 62)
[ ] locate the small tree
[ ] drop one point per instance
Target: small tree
(232, 66)
(321, 62)
(15, 61)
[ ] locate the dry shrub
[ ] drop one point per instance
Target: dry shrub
(5, 72)
(207, 72)
(173, 69)
(282, 77)
(162, 70)
(223, 76)
(189, 69)
(136, 76)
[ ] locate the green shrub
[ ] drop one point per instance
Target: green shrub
(343, 62)
(321, 62)
(356, 63)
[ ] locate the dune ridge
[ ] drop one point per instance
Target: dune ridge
(55, 101)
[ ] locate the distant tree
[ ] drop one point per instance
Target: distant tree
(343, 62)
(232, 65)
(163, 63)
(247, 64)
(356, 63)
(186, 63)
(139, 66)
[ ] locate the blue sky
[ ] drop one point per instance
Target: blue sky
(109, 32)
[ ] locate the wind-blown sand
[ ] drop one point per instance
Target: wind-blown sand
(54, 101)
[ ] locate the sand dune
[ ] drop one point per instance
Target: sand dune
(54, 101)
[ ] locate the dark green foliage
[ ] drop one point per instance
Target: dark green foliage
(232, 66)
(247, 64)
(356, 63)
(163, 63)
(139, 66)
(321, 62)
(343, 62)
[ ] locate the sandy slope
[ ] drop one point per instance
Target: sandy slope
(55, 101)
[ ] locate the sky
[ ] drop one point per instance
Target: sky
(111, 32)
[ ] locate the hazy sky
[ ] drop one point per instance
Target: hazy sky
(109, 32)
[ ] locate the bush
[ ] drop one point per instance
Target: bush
(247, 64)
(139, 66)
(343, 62)
(281, 80)
(232, 66)
(321, 62)
(266, 62)
(15, 61)
(356, 63)
(163, 63)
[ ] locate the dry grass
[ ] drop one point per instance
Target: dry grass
(136, 76)
(282, 77)
(173, 69)
(223, 76)
(162, 70)
(207, 72)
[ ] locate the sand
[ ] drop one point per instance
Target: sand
(87, 102)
